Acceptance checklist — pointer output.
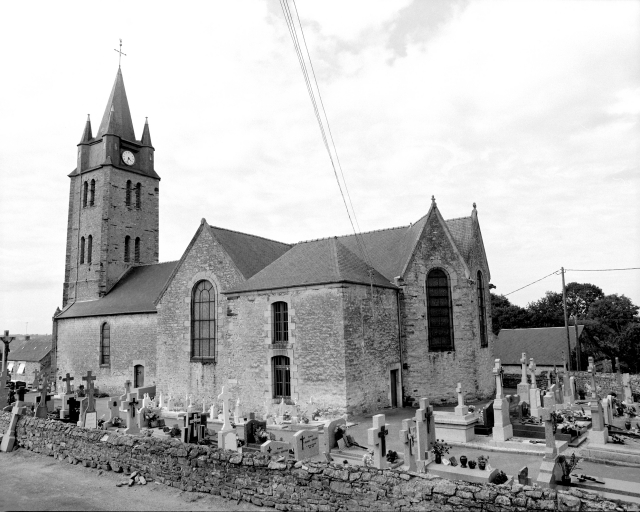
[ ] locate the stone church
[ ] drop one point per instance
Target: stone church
(355, 324)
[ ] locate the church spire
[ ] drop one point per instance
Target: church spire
(86, 134)
(146, 135)
(118, 109)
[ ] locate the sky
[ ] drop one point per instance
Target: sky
(529, 109)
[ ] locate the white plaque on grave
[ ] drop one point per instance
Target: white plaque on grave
(91, 420)
(275, 448)
(305, 444)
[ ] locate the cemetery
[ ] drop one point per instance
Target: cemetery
(410, 455)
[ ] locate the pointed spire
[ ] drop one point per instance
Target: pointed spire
(146, 135)
(118, 109)
(86, 134)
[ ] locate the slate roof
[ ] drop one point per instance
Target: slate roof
(544, 344)
(315, 262)
(250, 253)
(120, 118)
(135, 292)
(31, 350)
(462, 232)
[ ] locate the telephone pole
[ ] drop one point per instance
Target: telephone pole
(566, 317)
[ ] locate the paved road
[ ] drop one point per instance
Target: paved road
(31, 481)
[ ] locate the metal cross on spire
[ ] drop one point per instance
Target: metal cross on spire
(120, 54)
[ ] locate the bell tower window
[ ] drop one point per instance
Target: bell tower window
(85, 190)
(138, 194)
(136, 256)
(82, 250)
(89, 248)
(92, 193)
(127, 248)
(127, 200)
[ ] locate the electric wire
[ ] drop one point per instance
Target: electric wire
(534, 282)
(599, 269)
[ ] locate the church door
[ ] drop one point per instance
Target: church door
(138, 376)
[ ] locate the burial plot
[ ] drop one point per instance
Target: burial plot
(487, 421)
(252, 442)
(305, 444)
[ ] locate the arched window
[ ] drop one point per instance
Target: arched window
(82, 250)
(105, 344)
(203, 321)
(281, 373)
(85, 189)
(280, 322)
(89, 248)
(482, 310)
(136, 254)
(127, 200)
(138, 193)
(92, 193)
(127, 248)
(439, 311)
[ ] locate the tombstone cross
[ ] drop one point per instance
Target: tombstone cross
(523, 362)
(407, 437)
(91, 399)
(302, 442)
(36, 378)
(68, 380)
(550, 451)
(592, 371)
(497, 372)
(42, 410)
(6, 339)
(460, 397)
(376, 438)
(21, 392)
(224, 396)
(532, 369)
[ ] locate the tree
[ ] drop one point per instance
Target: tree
(580, 297)
(505, 315)
(548, 311)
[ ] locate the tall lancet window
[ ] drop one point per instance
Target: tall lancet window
(439, 311)
(127, 248)
(482, 310)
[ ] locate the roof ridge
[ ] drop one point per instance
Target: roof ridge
(359, 233)
(249, 234)
(459, 218)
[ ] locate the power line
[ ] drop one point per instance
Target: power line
(298, 47)
(534, 282)
(600, 269)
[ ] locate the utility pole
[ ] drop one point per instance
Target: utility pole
(566, 317)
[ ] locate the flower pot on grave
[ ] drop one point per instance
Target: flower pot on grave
(463, 461)
(565, 480)
(438, 458)
(161, 423)
(153, 423)
(472, 464)
(482, 465)
(627, 424)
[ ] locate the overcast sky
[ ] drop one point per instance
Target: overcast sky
(529, 109)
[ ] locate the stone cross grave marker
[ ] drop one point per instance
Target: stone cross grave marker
(534, 394)
(305, 444)
(4, 392)
(225, 396)
(237, 413)
(191, 424)
(408, 439)
(36, 378)
(213, 413)
(592, 372)
(425, 432)
(6, 339)
(460, 409)
(131, 403)
(42, 410)
(91, 402)
(523, 387)
(502, 428)
(169, 406)
(114, 406)
(497, 373)
(127, 390)
(377, 439)
(626, 383)
(67, 380)
(550, 440)
(599, 433)
(9, 437)
(275, 449)
(160, 401)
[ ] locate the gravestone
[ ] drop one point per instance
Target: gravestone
(130, 409)
(83, 410)
(330, 433)
(377, 439)
(550, 398)
(237, 413)
(42, 409)
(592, 373)
(607, 415)
(550, 451)
(574, 388)
(626, 383)
(4, 390)
(549, 469)
(524, 387)
(160, 401)
(567, 389)
(6, 339)
(408, 440)
(227, 438)
(90, 418)
(460, 409)
(9, 437)
(305, 444)
(190, 428)
(425, 433)
(534, 393)
(65, 395)
(127, 390)
(250, 428)
(114, 407)
(276, 449)
(487, 418)
(74, 409)
(502, 428)
(36, 379)
(523, 476)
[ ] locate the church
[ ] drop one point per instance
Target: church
(354, 323)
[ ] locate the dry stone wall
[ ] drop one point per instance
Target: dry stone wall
(313, 486)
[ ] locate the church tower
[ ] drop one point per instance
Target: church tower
(113, 203)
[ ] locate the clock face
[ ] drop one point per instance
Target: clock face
(128, 157)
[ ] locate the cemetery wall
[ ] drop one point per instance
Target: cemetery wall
(604, 381)
(251, 477)
(435, 374)
(178, 374)
(371, 346)
(133, 341)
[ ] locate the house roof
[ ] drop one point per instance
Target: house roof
(135, 292)
(544, 344)
(250, 253)
(312, 263)
(31, 350)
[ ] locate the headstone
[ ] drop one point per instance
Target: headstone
(130, 408)
(607, 413)
(523, 476)
(114, 407)
(127, 390)
(9, 437)
(567, 388)
(213, 414)
(574, 387)
(42, 409)
(425, 433)
(250, 428)
(305, 444)
(408, 439)
(67, 380)
(227, 438)
(74, 409)
(330, 433)
(377, 439)
(226, 423)
(502, 428)
(534, 394)
(91, 420)
(169, 406)
(91, 402)
(592, 372)
(626, 383)
(146, 401)
(460, 409)
(599, 433)
(550, 398)
(6, 339)
(189, 402)
(190, 428)
(550, 440)
(276, 449)
(237, 413)
(160, 401)
(36, 378)
(524, 387)
(4, 391)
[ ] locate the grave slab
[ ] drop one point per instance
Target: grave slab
(305, 444)
(475, 476)
(451, 427)
(276, 449)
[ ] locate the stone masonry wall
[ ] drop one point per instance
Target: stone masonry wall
(314, 486)
(133, 341)
(435, 374)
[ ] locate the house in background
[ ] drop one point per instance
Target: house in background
(544, 344)
(27, 354)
